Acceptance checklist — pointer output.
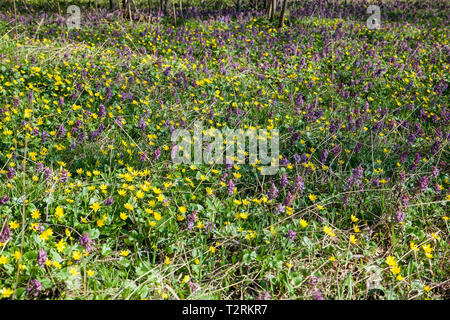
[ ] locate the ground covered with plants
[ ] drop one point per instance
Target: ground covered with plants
(93, 207)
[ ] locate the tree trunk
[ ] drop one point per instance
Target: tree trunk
(274, 10)
(174, 12)
(283, 13)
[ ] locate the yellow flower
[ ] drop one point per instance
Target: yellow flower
(95, 206)
(140, 194)
(186, 279)
(3, 259)
(59, 213)
(413, 246)
(76, 255)
(212, 249)
(395, 269)
(124, 253)
(90, 273)
(354, 218)
(390, 261)
(303, 223)
(123, 216)
(353, 239)
(129, 206)
(6, 292)
(13, 225)
(428, 250)
(328, 231)
(312, 197)
(167, 260)
(426, 288)
(35, 214)
(157, 216)
(182, 209)
(17, 255)
(46, 234)
(289, 211)
(332, 259)
(73, 271)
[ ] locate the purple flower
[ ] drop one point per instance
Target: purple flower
(86, 242)
(42, 257)
(324, 156)
(273, 192)
(435, 171)
(264, 296)
(101, 111)
(291, 235)
(47, 173)
(230, 187)
(35, 287)
(157, 154)
(288, 199)
(60, 131)
(4, 200)
(316, 294)
(279, 209)
(11, 173)
(109, 201)
(191, 219)
(194, 286)
(284, 180)
(405, 200)
(400, 217)
(299, 185)
(143, 156)
(437, 188)
(435, 147)
(423, 183)
(39, 167)
(64, 176)
(5, 234)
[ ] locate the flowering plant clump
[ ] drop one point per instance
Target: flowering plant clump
(93, 206)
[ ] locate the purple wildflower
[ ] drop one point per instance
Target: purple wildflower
(191, 219)
(4, 200)
(42, 257)
(86, 242)
(273, 192)
(284, 180)
(423, 183)
(230, 187)
(291, 235)
(109, 201)
(5, 234)
(35, 287)
(400, 217)
(11, 173)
